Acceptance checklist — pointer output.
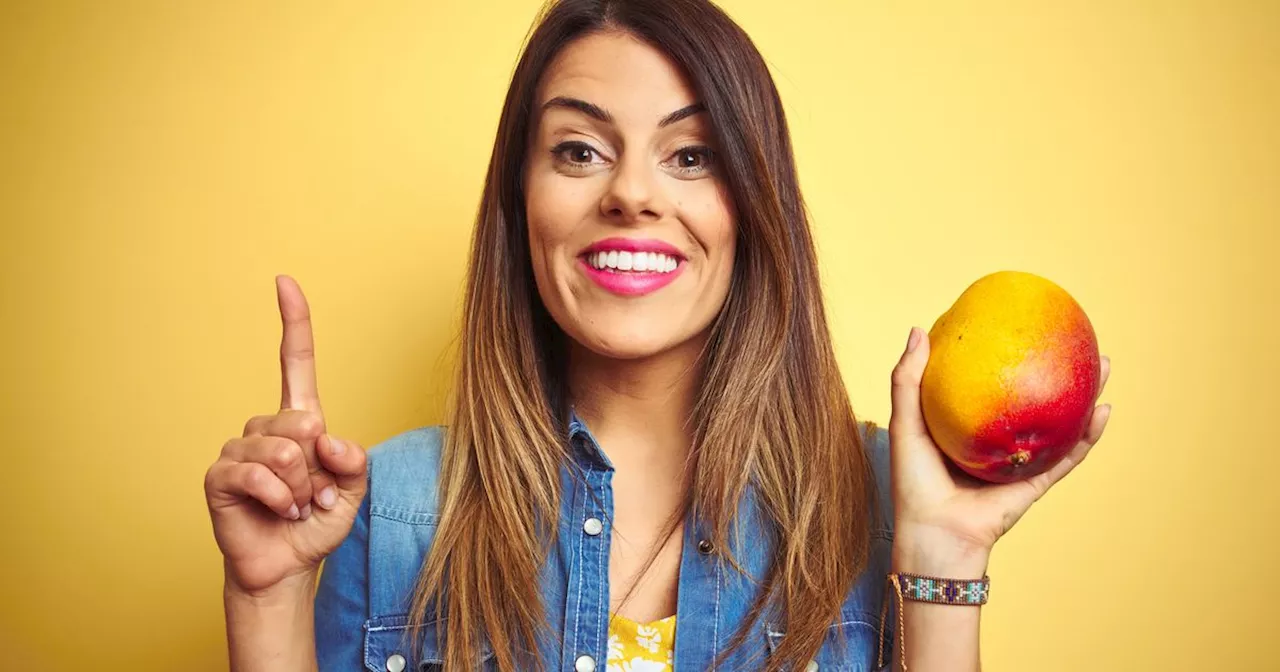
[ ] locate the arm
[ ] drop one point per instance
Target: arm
(945, 524)
(299, 626)
(271, 631)
(938, 636)
(282, 497)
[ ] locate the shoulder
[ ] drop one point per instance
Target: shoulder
(404, 471)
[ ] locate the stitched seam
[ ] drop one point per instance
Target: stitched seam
(385, 628)
(407, 516)
(577, 607)
(864, 624)
(600, 593)
(715, 626)
(367, 662)
(774, 634)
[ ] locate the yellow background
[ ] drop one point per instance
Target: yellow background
(161, 161)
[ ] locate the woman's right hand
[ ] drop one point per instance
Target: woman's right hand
(261, 490)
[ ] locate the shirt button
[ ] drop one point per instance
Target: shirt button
(705, 547)
(585, 664)
(395, 663)
(811, 667)
(593, 526)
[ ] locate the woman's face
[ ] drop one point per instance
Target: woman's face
(631, 228)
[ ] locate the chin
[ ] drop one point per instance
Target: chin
(624, 344)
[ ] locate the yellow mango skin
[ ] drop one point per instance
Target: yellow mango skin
(1012, 376)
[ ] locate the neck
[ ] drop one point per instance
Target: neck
(639, 409)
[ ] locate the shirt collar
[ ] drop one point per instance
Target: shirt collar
(583, 444)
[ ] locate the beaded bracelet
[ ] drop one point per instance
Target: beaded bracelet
(945, 591)
(928, 589)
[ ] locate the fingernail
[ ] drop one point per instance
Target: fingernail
(293, 512)
(336, 447)
(327, 498)
(913, 340)
(306, 512)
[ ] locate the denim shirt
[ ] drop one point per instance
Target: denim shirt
(362, 602)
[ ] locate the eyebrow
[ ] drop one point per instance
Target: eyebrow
(600, 114)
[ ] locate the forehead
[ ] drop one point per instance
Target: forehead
(630, 78)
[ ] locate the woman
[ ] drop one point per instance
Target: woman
(651, 462)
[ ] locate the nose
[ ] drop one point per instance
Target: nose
(634, 194)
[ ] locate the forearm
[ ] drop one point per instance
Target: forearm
(938, 637)
(274, 631)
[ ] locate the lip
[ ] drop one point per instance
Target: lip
(634, 245)
(631, 283)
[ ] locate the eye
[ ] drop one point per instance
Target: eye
(575, 153)
(689, 159)
(693, 159)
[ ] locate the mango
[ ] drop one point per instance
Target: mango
(1012, 377)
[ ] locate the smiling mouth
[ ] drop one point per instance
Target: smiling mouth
(616, 261)
(621, 261)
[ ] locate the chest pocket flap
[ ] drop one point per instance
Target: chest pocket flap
(850, 646)
(387, 647)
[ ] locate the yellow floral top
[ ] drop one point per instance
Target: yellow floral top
(641, 648)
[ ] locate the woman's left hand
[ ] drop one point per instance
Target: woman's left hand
(945, 521)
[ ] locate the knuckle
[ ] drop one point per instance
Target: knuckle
(229, 447)
(285, 453)
(256, 425)
(257, 476)
(311, 425)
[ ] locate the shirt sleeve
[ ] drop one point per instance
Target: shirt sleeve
(342, 600)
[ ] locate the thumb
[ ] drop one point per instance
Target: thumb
(348, 463)
(907, 420)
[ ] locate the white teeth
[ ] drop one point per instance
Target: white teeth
(639, 262)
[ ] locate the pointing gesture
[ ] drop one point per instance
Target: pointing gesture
(297, 350)
(261, 489)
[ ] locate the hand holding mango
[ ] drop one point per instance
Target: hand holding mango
(1012, 377)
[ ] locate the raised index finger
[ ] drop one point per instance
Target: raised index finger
(297, 349)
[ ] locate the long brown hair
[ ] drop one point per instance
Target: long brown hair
(782, 424)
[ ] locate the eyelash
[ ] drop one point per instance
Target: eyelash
(706, 153)
(560, 152)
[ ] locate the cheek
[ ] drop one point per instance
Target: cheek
(711, 219)
(553, 209)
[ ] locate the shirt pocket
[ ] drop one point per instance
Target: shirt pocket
(850, 646)
(387, 647)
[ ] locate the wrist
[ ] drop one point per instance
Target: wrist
(932, 552)
(272, 628)
(291, 590)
